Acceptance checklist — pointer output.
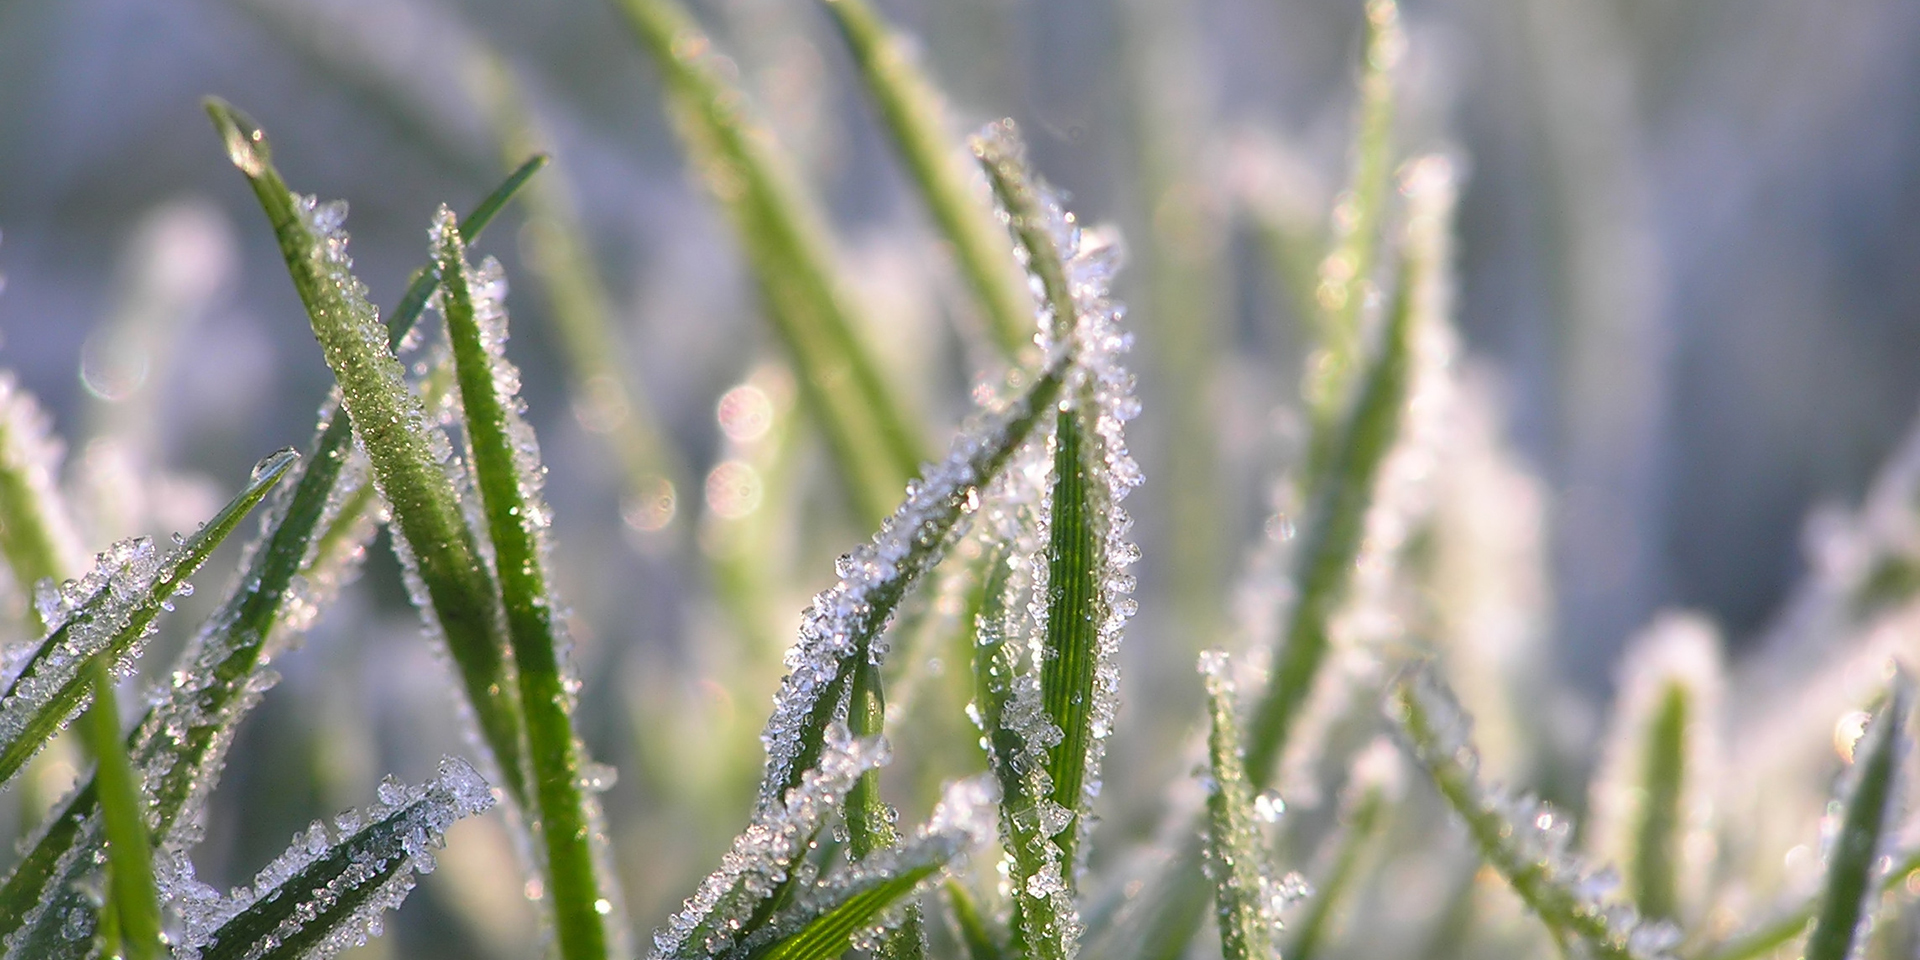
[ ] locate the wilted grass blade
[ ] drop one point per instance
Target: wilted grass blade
(107, 615)
(1523, 839)
(305, 551)
(132, 897)
(508, 471)
(1850, 892)
(332, 886)
(876, 442)
(912, 111)
(459, 594)
(36, 532)
(1241, 900)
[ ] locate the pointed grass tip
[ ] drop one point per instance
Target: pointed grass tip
(274, 465)
(246, 143)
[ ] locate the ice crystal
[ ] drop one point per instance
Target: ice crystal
(331, 888)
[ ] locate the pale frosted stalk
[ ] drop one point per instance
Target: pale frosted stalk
(37, 534)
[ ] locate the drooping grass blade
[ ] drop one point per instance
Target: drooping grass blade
(331, 888)
(36, 533)
(108, 615)
(1851, 893)
(132, 897)
(459, 599)
(507, 468)
(1523, 839)
(912, 112)
(875, 441)
(307, 548)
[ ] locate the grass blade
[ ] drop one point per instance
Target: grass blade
(1347, 274)
(107, 616)
(1850, 892)
(1363, 817)
(332, 886)
(306, 550)
(132, 896)
(457, 594)
(507, 468)
(912, 112)
(980, 940)
(1523, 839)
(1068, 665)
(37, 537)
(876, 443)
(1034, 216)
(1241, 900)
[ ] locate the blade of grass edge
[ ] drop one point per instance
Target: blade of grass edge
(912, 112)
(246, 619)
(507, 470)
(462, 597)
(37, 535)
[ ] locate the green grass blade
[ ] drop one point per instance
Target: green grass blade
(132, 896)
(1067, 670)
(1241, 900)
(876, 443)
(1655, 866)
(332, 886)
(607, 399)
(912, 112)
(424, 281)
(1336, 521)
(459, 596)
(1771, 936)
(315, 531)
(508, 471)
(1850, 892)
(1347, 274)
(107, 615)
(1524, 840)
(36, 533)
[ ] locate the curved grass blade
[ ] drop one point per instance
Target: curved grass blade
(876, 443)
(1523, 839)
(107, 616)
(306, 549)
(331, 888)
(1850, 892)
(1241, 901)
(912, 111)
(456, 592)
(507, 468)
(1034, 217)
(37, 537)
(132, 896)
(1771, 936)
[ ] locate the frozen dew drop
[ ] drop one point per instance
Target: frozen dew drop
(1268, 807)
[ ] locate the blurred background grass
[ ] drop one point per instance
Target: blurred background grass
(1689, 258)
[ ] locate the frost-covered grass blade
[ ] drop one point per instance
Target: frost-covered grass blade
(876, 442)
(132, 909)
(1523, 839)
(508, 471)
(107, 615)
(1851, 893)
(332, 887)
(1242, 904)
(308, 545)
(458, 596)
(913, 111)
